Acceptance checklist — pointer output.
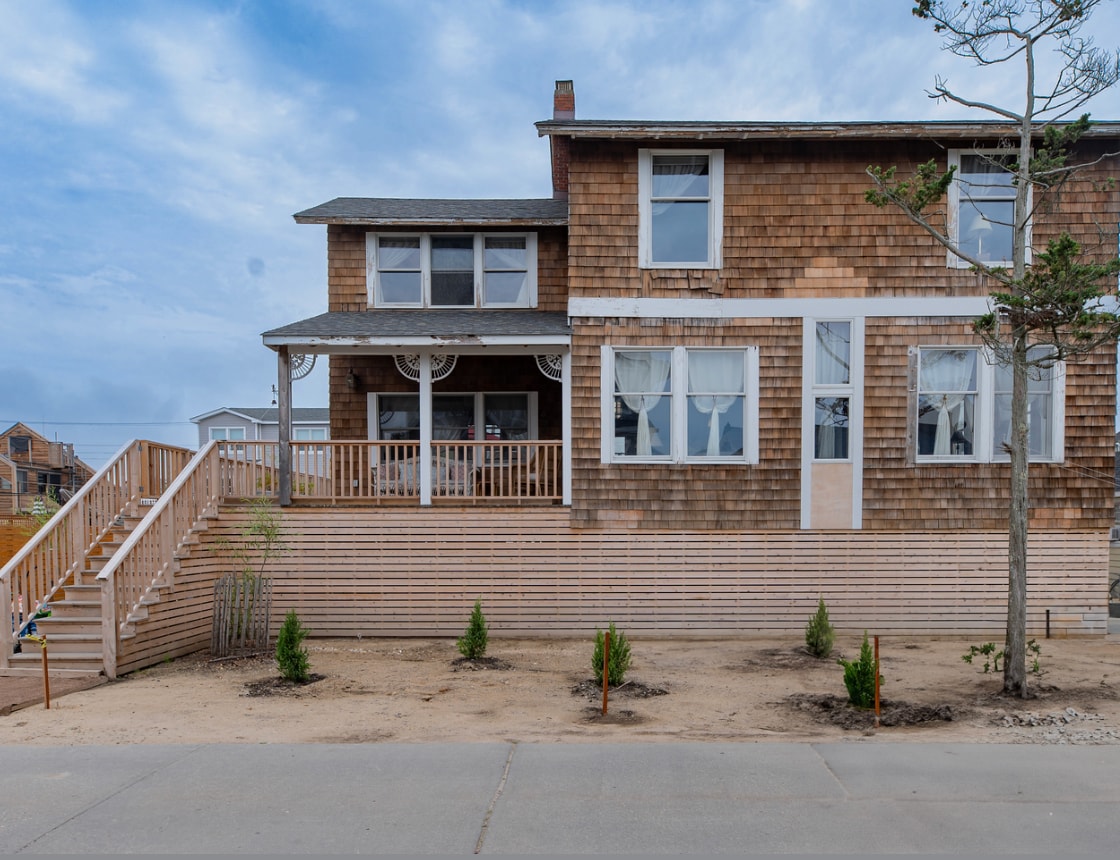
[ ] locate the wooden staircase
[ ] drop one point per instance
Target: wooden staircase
(74, 631)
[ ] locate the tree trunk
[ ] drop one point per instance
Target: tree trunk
(1015, 648)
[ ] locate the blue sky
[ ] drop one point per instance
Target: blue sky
(152, 155)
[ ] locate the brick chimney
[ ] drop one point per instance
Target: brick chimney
(563, 107)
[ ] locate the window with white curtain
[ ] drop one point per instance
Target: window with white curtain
(678, 404)
(456, 270)
(964, 407)
(832, 389)
(982, 206)
(680, 208)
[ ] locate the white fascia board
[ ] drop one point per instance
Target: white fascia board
(416, 342)
(223, 411)
(818, 308)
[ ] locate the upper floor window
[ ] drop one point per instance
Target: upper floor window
(964, 407)
(680, 208)
(459, 270)
(678, 404)
(227, 434)
(982, 206)
(19, 445)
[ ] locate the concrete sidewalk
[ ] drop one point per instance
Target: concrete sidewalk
(860, 796)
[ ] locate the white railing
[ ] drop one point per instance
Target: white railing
(57, 553)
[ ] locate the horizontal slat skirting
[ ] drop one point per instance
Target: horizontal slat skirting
(408, 572)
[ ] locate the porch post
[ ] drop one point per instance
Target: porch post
(425, 428)
(566, 424)
(284, 418)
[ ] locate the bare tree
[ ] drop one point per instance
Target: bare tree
(1046, 308)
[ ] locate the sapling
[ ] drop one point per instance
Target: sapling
(819, 634)
(618, 660)
(291, 656)
(472, 645)
(859, 676)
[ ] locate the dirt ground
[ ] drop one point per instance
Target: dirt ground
(540, 690)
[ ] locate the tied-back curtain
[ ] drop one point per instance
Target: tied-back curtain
(947, 372)
(715, 371)
(639, 378)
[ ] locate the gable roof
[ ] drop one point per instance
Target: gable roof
(270, 414)
(398, 212)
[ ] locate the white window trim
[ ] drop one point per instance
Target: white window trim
(849, 389)
(678, 452)
(954, 201)
(983, 445)
(715, 209)
(296, 431)
(226, 430)
(373, 281)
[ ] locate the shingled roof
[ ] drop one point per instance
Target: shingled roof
(441, 324)
(374, 211)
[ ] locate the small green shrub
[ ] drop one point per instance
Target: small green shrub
(819, 634)
(291, 656)
(992, 657)
(618, 661)
(859, 676)
(473, 643)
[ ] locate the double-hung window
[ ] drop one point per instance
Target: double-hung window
(964, 407)
(458, 270)
(832, 389)
(982, 206)
(680, 405)
(680, 208)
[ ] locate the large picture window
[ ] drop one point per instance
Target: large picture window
(680, 208)
(678, 404)
(457, 417)
(460, 270)
(964, 407)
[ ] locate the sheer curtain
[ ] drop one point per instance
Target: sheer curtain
(639, 378)
(714, 372)
(833, 351)
(949, 374)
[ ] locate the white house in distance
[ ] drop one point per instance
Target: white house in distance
(235, 423)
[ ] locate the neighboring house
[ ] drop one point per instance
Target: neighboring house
(260, 425)
(701, 385)
(32, 467)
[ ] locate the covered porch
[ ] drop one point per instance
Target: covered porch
(478, 411)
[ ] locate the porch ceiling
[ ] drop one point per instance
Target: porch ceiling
(464, 330)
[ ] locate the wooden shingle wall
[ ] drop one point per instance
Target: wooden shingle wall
(1077, 493)
(691, 496)
(796, 223)
(400, 572)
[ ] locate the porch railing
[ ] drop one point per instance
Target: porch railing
(56, 554)
(376, 471)
(146, 559)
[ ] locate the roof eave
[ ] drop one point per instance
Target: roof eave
(794, 130)
(358, 221)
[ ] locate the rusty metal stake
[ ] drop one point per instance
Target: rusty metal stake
(606, 667)
(42, 640)
(876, 682)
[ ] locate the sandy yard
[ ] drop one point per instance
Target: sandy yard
(740, 689)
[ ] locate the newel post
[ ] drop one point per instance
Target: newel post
(6, 639)
(109, 625)
(284, 404)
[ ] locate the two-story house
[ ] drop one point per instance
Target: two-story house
(701, 385)
(33, 467)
